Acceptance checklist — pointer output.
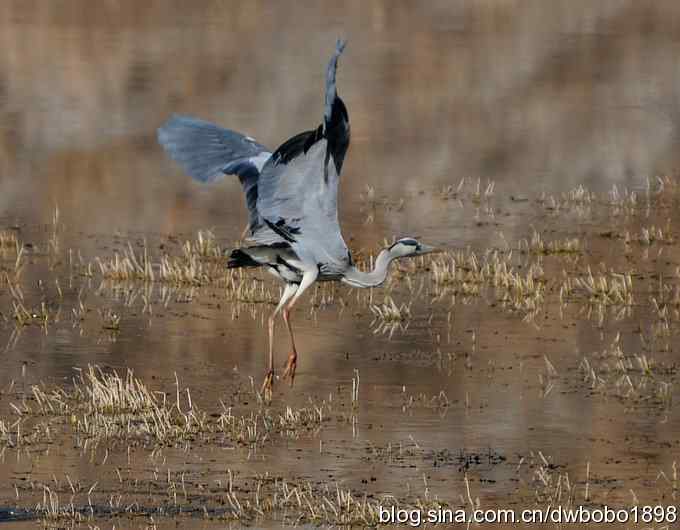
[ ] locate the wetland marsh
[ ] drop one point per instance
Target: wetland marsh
(531, 363)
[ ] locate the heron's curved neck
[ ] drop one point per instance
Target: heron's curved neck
(357, 278)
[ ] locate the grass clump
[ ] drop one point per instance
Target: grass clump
(5, 434)
(463, 273)
(8, 240)
(389, 311)
(609, 288)
(200, 262)
(632, 378)
(389, 317)
(104, 405)
(127, 265)
(546, 248)
(655, 234)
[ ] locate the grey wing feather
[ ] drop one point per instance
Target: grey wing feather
(207, 152)
(298, 186)
(298, 205)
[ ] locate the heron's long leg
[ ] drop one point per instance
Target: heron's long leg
(269, 378)
(286, 318)
(308, 279)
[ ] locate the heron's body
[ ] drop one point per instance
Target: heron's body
(291, 195)
(278, 259)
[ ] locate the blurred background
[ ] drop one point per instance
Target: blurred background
(536, 96)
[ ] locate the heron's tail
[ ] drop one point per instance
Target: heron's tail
(238, 258)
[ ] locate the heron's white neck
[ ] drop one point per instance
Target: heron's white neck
(357, 278)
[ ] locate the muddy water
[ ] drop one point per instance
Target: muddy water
(479, 393)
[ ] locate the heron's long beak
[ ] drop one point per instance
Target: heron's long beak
(425, 249)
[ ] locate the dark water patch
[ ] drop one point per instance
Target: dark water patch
(465, 460)
(9, 515)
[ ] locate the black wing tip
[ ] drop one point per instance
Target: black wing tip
(238, 258)
(336, 117)
(297, 145)
(281, 230)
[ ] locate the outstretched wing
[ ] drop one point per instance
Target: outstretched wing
(208, 152)
(298, 186)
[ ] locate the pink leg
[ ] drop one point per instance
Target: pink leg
(291, 363)
(268, 384)
(308, 278)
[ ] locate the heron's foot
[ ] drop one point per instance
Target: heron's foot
(268, 386)
(291, 364)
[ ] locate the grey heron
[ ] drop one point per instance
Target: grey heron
(291, 196)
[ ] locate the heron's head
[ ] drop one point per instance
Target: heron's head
(407, 246)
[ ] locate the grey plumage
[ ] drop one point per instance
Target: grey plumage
(292, 198)
(287, 200)
(298, 187)
(207, 152)
(299, 206)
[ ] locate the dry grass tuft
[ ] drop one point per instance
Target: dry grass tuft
(463, 273)
(205, 245)
(243, 287)
(11, 274)
(477, 194)
(552, 484)
(201, 262)
(25, 315)
(56, 514)
(389, 317)
(390, 312)
(633, 378)
(103, 405)
(650, 235)
(9, 240)
(250, 500)
(622, 202)
(540, 247)
(6, 434)
(578, 200)
(609, 288)
(128, 266)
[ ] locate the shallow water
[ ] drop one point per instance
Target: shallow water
(573, 394)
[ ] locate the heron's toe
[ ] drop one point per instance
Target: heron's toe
(291, 365)
(268, 386)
